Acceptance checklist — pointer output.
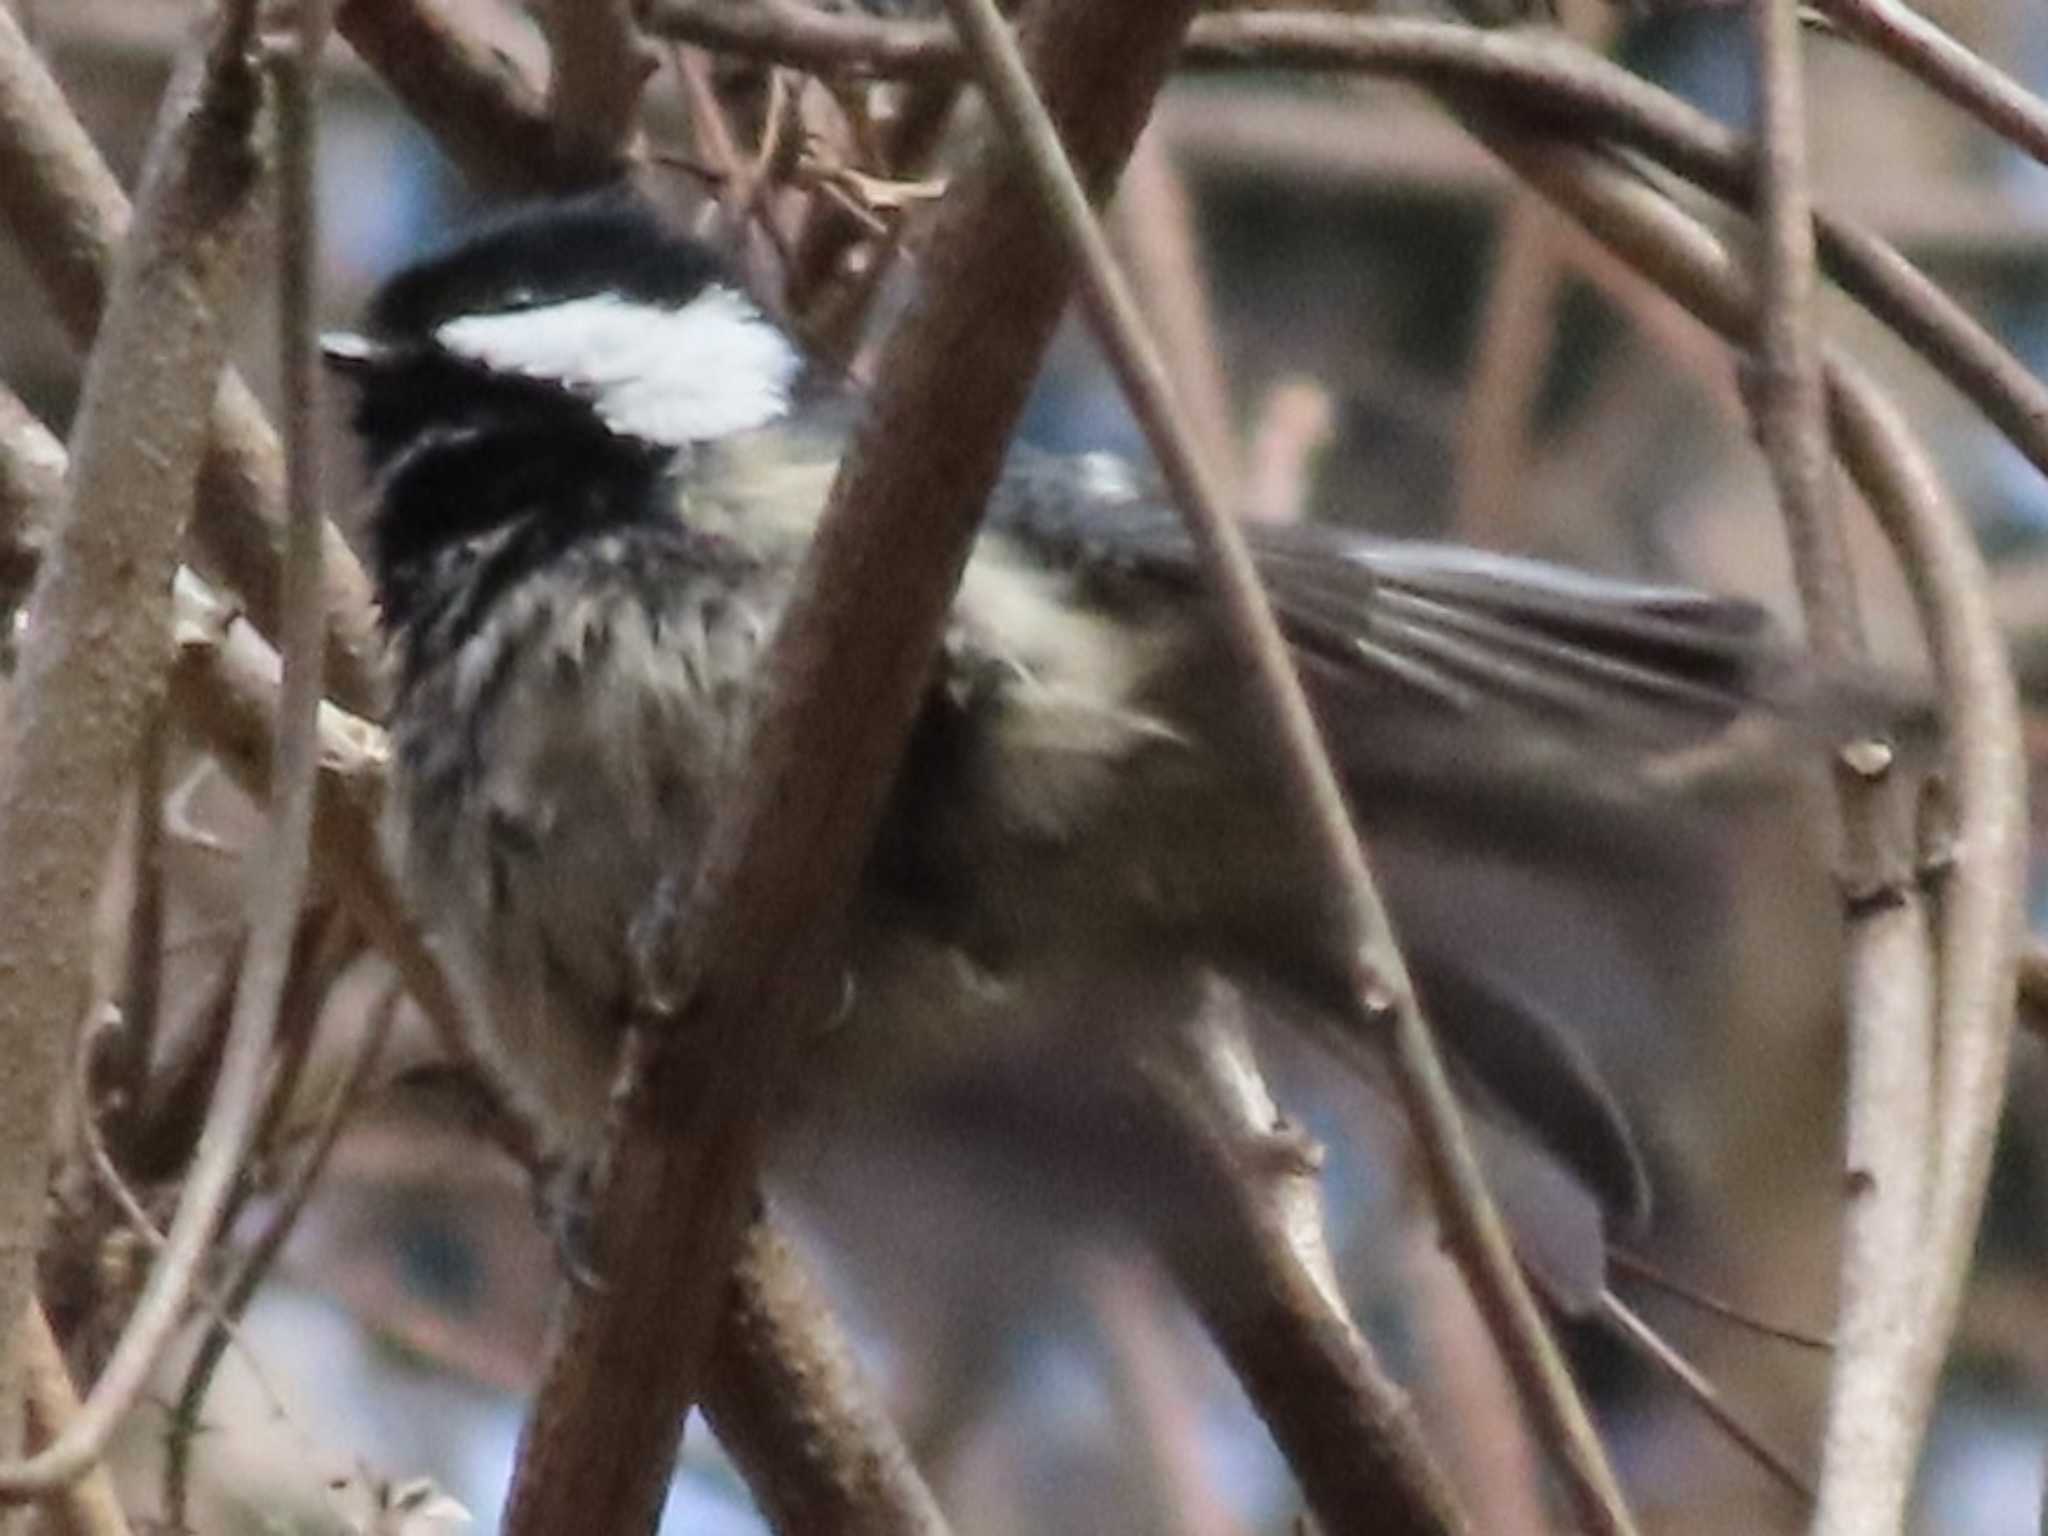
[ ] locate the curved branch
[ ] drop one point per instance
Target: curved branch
(1946, 67)
(1978, 920)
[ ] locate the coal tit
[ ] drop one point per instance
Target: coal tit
(596, 467)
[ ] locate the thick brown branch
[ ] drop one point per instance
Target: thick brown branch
(597, 66)
(746, 971)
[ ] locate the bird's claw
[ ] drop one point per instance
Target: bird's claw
(564, 1190)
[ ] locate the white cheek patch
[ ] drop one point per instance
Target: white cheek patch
(712, 367)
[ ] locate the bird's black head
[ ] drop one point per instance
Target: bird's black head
(584, 315)
(548, 369)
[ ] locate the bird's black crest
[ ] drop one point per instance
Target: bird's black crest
(541, 253)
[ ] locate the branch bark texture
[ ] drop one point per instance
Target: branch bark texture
(790, 1404)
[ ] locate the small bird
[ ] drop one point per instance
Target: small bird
(596, 467)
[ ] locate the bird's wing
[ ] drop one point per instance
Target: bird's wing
(1379, 623)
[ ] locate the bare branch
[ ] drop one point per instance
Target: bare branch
(1386, 1013)
(750, 961)
(92, 661)
(810, 38)
(277, 893)
(69, 219)
(1257, 1273)
(480, 109)
(1790, 405)
(1945, 66)
(262, 1254)
(790, 1404)
(1561, 83)
(1516, 330)
(1978, 918)
(1868, 1452)
(1293, 425)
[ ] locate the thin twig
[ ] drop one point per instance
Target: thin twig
(1790, 403)
(750, 229)
(1387, 1013)
(1516, 328)
(742, 964)
(1699, 1390)
(142, 1225)
(91, 660)
(1622, 1262)
(1562, 84)
(1465, 1398)
(1293, 425)
(278, 891)
(1174, 1485)
(262, 1254)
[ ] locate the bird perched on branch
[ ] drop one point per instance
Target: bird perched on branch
(597, 467)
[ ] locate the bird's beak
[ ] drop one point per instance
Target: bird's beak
(346, 352)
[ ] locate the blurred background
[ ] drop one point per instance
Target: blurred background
(1376, 327)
